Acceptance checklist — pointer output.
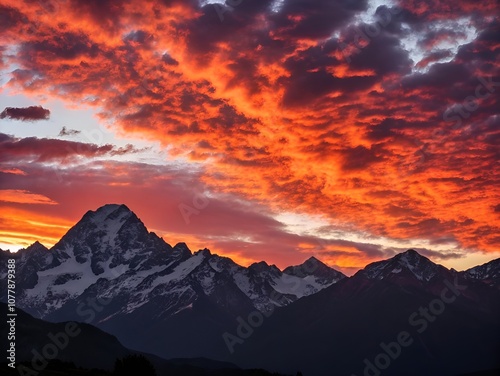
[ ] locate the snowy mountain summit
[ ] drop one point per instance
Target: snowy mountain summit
(488, 273)
(110, 271)
(409, 263)
(110, 253)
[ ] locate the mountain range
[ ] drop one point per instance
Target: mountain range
(111, 272)
(95, 350)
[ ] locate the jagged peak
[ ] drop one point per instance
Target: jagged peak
(181, 245)
(110, 212)
(110, 216)
(36, 246)
(486, 270)
(312, 258)
(410, 253)
(311, 261)
(315, 267)
(259, 267)
(113, 207)
(411, 261)
(205, 252)
(486, 264)
(314, 261)
(259, 263)
(308, 262)
(411, 257)
(182, 249)
(104, 228)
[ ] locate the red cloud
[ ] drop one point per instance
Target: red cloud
(31, 113)
(276, 113)
(47, 150)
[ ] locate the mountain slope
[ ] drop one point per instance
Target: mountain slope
(89, 347)
(86, 345)
(108, 270)
(404, 265)
(341, 329)
(488, 273)
(141, 284)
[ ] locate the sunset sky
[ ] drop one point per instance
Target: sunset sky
(262, 130)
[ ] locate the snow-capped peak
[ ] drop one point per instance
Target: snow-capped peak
(112, 228)
(110, 253)
(110, 213)
(259, 267)
(314, 267)
(488, 273)
(205, 252)
(36, 247)
(405, 263)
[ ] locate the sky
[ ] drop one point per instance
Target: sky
(262, 130)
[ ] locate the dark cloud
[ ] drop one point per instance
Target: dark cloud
(222, 23)
(304, 87)
(433, 57)
(480, 52)
(169, 60)
(68, 132)
(386, 129)
(60, 45)
(417, 12)
(299, 20)
(31, 113)
(105, 13)
(371, 250)
(434, 37)
(406, 212)
(10, 17)
(382, 53)
(442, 75)
(204, 144)
(359, 157)
(139, 37)
(127, 149)
(47, 150)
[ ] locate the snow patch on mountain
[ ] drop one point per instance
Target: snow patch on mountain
(410, 262)
(180, 272)
(109, 253)
(489, 273)
(242, 280)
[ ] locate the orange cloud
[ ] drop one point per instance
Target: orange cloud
(286, 110)
(22, 227)
(24, 197)
(14, 171)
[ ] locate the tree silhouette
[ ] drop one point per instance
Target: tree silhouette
(134, 365)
